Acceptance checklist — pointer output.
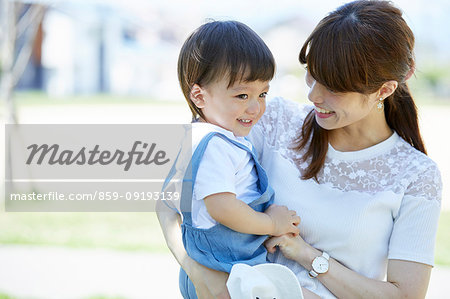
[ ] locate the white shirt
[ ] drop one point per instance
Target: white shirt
(224, 167)
(369, 206)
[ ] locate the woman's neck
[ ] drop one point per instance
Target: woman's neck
(360, 136)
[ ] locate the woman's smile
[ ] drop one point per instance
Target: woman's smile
(323, 113)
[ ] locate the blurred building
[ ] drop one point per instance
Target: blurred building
(99, 48)
(131, 47)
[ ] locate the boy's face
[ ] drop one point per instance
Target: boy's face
(237, 108)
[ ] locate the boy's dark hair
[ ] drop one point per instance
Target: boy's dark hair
(222, 49)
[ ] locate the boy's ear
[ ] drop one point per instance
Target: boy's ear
(197, 96)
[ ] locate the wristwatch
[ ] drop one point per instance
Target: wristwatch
(319, 265)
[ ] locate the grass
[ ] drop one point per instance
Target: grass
(4, 296)
(39, 98)
(121, 231)
(442, 253)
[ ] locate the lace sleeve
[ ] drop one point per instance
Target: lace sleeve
(415, 225)
(427, 183)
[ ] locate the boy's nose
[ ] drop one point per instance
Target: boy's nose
(253, 107)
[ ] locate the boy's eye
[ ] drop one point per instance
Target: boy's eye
(243, 96)
(263, 95)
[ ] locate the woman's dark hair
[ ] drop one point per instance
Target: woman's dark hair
(222, 49)
(357, 48)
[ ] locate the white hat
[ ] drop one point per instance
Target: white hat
(264, 281)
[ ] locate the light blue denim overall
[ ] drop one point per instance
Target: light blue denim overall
(219, 247)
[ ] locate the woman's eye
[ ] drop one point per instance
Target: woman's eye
(263, 95)
(331, 91)
(308, 75)
(243, 96)
(308, 79)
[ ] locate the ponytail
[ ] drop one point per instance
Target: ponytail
(401, 116)
(316, 150)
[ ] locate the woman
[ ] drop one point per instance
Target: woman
(353, 167)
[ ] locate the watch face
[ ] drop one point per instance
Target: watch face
(320, 264)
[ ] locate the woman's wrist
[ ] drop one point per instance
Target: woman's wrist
(307, 255)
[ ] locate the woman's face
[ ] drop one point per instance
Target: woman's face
(335, 110)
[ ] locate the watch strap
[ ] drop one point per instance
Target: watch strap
(313, 274)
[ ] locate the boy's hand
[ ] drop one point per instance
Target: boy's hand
(284, 221)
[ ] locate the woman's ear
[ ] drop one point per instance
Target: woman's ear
(387, 89)
(197, 96)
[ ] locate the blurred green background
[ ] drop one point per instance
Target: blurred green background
(140, 231)
(114, 62)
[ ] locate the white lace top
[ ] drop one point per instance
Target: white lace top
(369, 206)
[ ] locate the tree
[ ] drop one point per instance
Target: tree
(19, 26)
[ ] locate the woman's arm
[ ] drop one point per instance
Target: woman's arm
(226, 209)
(405, 279)
(208, 283)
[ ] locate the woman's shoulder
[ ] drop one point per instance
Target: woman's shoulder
(283, 114)
(282, 120)
(414, 158)
(421, 173)
(279, 106)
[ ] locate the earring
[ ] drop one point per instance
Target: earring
(380, 104)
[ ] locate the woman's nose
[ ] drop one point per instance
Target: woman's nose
(314, 94)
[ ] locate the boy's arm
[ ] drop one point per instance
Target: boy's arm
(226, 209)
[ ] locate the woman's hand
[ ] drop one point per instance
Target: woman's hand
(291, 246)
(208, 283)
(404, 278)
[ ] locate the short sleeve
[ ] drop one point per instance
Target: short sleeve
(414, 233)
(216, 172)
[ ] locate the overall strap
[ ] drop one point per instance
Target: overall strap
(191, 173)
(263, 180)
(168, 178)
